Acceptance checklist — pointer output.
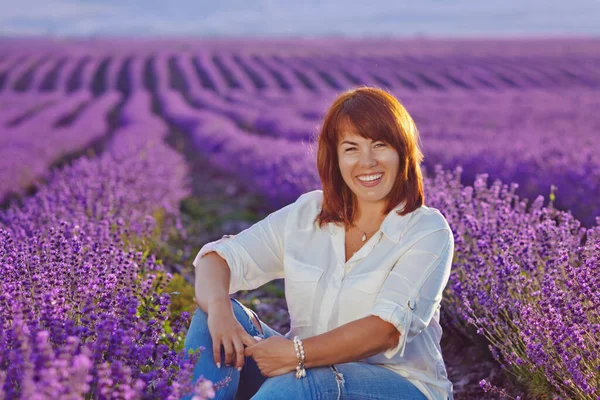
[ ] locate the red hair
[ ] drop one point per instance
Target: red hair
(377, 115)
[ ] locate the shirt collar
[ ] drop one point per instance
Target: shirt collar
(393, 225)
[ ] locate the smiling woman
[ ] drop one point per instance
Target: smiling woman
(368, 160)
(358, 308)
(357, 154)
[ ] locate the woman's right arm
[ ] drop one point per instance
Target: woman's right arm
(244, 261)
(212, 281)
(212, 296)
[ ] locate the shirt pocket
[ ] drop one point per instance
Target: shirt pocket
(301, 281)
(359, 293)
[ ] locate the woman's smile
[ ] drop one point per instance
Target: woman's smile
(370, 180)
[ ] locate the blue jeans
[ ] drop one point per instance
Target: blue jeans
(354, 380)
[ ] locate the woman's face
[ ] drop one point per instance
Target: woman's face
(363, 158)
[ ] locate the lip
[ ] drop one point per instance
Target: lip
(371, 184)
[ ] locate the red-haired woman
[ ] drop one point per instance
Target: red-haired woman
(364, 261)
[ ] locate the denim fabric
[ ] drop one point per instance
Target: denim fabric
(355, 380)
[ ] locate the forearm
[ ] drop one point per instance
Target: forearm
(353, 341)
(212, 281)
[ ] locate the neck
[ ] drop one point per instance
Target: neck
(370, 214)
(369, 223)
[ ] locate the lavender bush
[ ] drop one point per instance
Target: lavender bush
(526, 279)
(82, 305)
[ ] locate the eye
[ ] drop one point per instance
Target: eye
(381, 144)
(351, 148)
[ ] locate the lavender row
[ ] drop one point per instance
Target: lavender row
(31, 147)
(26, 151)
(13, 107)
(574, 176)
(267, 113)
(529, 137)
(516, 136)
(275, 166)
(526, 137)
(556, 47)
(537, 138)
(82, 303)
(395, 65)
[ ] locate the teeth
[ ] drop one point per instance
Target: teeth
(370, 178)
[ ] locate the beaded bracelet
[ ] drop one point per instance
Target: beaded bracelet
(300, 371)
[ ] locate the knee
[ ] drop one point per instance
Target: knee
(241, 313)
(245, 317)
(199, 317)
(199, 321)
(197, 335)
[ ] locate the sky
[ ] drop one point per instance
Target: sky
(290, 18)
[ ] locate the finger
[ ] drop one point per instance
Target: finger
(249, 340)
(239, 353)
(228, 351)
(217, 352)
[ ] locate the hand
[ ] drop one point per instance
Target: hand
(225, 330)
(274, 356)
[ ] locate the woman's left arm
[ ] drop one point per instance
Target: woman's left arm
(353, 341)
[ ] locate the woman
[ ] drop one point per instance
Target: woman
(365, 263)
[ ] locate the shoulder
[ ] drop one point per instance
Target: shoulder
(424, 229)
(315, 196)
(431, 218)
(306, 208)
(426, 220)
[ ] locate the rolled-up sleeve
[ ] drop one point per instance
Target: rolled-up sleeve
(413, 290)
(255, 255)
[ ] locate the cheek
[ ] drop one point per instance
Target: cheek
(391, 159)
(345, 166)
(390, 156)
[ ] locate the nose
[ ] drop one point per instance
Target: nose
(367, 159)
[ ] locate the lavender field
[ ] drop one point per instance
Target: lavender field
(97, 143)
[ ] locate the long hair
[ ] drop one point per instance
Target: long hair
(376, 115)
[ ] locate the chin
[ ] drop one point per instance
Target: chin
(375, 197)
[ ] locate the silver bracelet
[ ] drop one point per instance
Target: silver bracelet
(300, 371)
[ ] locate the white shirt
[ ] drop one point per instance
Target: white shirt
(398, 275)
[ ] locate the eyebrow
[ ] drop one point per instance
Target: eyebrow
(353, 143)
